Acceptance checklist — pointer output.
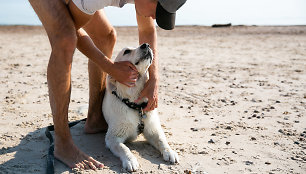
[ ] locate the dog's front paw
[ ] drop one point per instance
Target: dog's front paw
(170, 155)
(130, 164)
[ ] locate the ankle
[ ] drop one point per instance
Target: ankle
(63, 141)
(94, 115)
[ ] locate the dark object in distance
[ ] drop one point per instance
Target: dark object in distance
(221, 25)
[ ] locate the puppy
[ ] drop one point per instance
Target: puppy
(125, 118)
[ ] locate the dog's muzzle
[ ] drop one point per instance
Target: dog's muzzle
(144, 46)
(147, 52)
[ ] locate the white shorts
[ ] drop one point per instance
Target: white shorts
(91, 6)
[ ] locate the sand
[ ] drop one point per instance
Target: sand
(231, 100)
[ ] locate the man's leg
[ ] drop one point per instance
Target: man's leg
(104, 36)
(62, 36)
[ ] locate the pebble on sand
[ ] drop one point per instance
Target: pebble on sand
(211, 141)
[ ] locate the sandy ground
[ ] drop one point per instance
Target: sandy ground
(232, 100)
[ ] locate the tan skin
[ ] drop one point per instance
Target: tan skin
(147, 34)
(69, 28)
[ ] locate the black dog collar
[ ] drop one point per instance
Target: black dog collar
(135, 106)
(131, 105)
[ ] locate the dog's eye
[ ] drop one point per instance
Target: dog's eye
(137, 63)
(126, 52)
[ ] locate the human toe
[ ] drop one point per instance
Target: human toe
(96, 163)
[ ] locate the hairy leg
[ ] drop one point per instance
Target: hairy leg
(104, 37)
(62, 36)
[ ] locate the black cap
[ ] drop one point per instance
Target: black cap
(166, 11)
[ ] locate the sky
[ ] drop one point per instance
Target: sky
(194, 12)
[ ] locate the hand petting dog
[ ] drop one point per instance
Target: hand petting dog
(150, 91)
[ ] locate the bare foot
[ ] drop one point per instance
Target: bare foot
(95, 123)
(70, 155)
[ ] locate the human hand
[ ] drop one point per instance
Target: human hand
(124, 72)
(150, 91)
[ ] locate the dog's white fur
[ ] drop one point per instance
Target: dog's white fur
(123, 121)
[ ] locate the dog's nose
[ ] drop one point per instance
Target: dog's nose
(144, 46)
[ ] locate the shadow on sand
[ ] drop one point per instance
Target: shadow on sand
(29, 156)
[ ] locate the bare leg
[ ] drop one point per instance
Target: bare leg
(104, 37)
(62, 36)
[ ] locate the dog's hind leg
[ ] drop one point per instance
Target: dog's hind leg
(115, 144)
(156, 137)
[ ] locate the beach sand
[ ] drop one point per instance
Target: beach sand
(231, 100)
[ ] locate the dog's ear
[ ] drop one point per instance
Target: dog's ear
(111, 83)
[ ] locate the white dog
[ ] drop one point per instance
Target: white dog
(125, 118)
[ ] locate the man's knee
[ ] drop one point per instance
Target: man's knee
(63, 47)
(112, 37)
(105, 40)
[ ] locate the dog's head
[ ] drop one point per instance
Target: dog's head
(141, 57)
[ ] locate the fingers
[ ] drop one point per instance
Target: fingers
(130, 84)
(150, 93)
(132, 66)
(141, 96)
(134, 77)
(127, 73)
(132, 80)
(151, 105)
(134, 74)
